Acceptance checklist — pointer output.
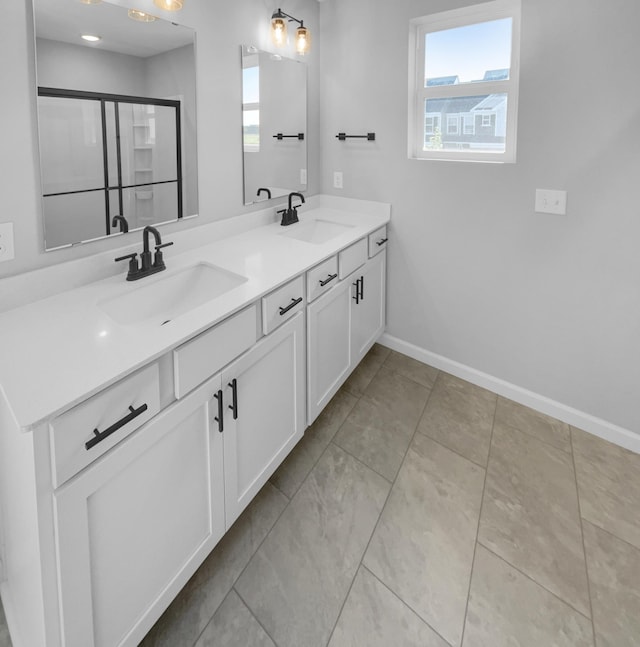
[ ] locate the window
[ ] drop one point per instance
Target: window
(464, 76)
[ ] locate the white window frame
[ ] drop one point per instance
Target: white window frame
(418, 94)
(435, 117)
(468, 123)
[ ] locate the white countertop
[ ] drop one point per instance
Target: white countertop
(58, 351)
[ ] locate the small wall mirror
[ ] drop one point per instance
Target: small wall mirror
(116, 119)
(274, 119)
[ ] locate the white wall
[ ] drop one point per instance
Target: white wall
(221, 29)
(547, 303)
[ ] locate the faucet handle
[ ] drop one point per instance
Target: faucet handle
(158, 261)
(133, 264)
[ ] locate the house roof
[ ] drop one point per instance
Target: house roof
(442, 80)
(455, 104)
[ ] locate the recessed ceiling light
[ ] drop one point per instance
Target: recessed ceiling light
(140, 16)
(91, 38)
(169, 5)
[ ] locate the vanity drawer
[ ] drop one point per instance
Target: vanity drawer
(113, 413)
(377, 241)
(352, 258)
(282, 304)
(321, 278)
(199, 359)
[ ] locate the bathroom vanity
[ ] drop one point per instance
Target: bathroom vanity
(139, 420)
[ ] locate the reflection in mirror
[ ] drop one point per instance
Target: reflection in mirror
(117, 123)
(274, 119)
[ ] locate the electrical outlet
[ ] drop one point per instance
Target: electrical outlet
(548, 201)
(6, 241)
(303, 176)
(337, 180)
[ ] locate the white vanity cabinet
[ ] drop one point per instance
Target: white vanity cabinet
(135, 525)
(342, 325)
(264, 412)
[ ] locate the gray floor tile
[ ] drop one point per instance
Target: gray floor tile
(534, 423)
(614, 576)
(194, 606)
(423, 546)
(296, 583)
(507, 609)
(358, 381)
(374, 617)
(234, 626)
(402, 398)
(530, 514)
(381, 425)
(609, 485)
(411, 368)
(460, 416)
(5, 640)
(290, 475)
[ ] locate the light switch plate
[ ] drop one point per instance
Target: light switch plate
(303, 176)
(337, 180)
(6, 241)
(551, 201)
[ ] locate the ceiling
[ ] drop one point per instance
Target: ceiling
(65, 20)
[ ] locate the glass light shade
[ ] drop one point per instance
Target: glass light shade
(303, 40)
(169, 5)
(140, 16)
(278, 31)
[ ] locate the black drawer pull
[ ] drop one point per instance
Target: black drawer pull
(382, 241)
(357, 297)
(234, 398)
(362, 288)
(219, 418)
(293, 304)
(328, 279)
(100, 436)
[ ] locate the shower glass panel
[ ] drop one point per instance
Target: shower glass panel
(71, 145)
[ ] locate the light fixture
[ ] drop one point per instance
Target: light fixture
(140, 16)
(91, 38)
(279, 21)
(91, 1)
(169, 5)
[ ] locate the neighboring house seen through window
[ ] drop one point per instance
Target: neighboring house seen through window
(464, 83)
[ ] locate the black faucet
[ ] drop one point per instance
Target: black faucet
(290, 215)
(267, 191)
(124, 225)
(146, 266)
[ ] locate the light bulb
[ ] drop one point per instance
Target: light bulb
(90, 38)
(278, 32)
(303, 40)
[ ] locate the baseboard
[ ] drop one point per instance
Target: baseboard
(596, 426)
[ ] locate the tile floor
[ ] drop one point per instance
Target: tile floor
(421, 510)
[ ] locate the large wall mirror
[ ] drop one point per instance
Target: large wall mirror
(274, 118)
(116, 120)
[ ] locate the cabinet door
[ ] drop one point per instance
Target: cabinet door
(328, 346)
(268, 419)
(368, 311)
(134, 526)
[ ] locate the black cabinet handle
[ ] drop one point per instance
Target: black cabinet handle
(234, 398)
(357, 297)
(382, 241)
(294, 302)
(219, 418)
(100, 436)
(328, 279)
(362, 288)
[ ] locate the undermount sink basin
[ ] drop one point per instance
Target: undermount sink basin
(165, 298)
(316, 231)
